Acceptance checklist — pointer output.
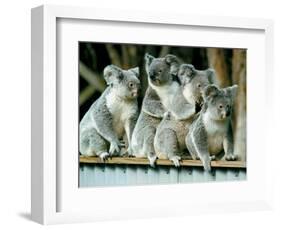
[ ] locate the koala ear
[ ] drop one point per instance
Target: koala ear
(211, 75)
(231, 91)
(190, 70)
(186, 69)
(173, 61)
(210, 91)
(148, 59)
(112, 73)
(136, 71)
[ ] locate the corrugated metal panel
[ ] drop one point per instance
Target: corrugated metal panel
(96, 175)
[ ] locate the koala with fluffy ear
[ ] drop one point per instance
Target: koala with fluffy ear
(169, 141)
(163, 77)
(194, 81)
(112, 115)
(163, 82)
(187, 100)
(211, 133)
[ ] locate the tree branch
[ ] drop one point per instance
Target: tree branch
(86, 94)
(113, 54)
(91, 77)
(217, 61)
(164, 51)
(125, 57)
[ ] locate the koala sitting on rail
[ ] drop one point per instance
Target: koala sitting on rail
(169, 141)
(162, 84)
(211, 132)
(112, 115)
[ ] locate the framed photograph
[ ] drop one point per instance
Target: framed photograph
(140, 114)
(95, 59)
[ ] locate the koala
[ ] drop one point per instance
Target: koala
(194, 81)
(163, 77)
(169, 141)
(211, 132)
(162, 83)
(112, 116)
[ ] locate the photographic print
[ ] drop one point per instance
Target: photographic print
(152, 114)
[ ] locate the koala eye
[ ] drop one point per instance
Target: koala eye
(131, 85)
(220, 106)
(199, 85)
(160, 71)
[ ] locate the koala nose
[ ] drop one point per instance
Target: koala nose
(227, 112)
(152, 75)
(135, 92)
(223, 114)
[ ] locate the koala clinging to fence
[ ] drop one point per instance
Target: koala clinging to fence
(169, 141)
(211, 132)
(163, 83)
(112, 115)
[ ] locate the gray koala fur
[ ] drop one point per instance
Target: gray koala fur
(169, 141)
(112, 116)
(163, 81)
(211, 132)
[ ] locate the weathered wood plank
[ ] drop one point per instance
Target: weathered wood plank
(144, 161)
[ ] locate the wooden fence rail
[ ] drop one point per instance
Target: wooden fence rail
(143, 161)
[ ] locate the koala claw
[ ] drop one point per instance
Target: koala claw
(152, 159)
(176, 160)
(231, 157)
(207, 164)
(104, 156)
(121, 144)
(114, 148)
(207, 167)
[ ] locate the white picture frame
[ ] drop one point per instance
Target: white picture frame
(57, 200)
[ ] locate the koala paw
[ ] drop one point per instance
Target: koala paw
(207, 166)
(212, 158)
(194, 156)
(104, 156)
(207, 163)
(176, 160)
(152, 159)
(231, 157)
(129, 153)
(122, 144)
(114, 148)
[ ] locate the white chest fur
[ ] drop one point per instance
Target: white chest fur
(166, 93)
(216, 131)
(188, 95)
(121, 111)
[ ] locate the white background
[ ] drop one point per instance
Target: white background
(15, 114)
